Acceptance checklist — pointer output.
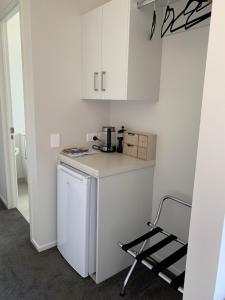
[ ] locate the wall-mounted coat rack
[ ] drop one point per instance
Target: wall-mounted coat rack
(194, 12)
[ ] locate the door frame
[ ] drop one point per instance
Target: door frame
(7, 118)
(23, 6)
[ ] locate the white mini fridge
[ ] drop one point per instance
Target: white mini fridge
(76, 219)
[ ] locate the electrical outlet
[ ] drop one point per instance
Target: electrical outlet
(55, 140)
(89, 136)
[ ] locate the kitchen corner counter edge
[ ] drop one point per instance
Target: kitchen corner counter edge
(101, 165)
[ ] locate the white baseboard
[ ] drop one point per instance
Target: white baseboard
(43, 247)
(4, 200)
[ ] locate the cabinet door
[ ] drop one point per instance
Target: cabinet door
(115, 40)
(92, 31)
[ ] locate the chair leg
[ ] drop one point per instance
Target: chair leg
(123, 290)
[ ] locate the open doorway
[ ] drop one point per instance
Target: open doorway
(16, 115)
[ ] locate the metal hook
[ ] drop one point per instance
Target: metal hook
(171, 24)
(153, 22)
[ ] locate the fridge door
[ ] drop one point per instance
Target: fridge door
(73, 218)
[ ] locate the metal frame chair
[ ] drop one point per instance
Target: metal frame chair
(144, 256)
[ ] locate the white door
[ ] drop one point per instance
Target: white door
(115, 41)
(73, 219)
(92, 31)
(13, 106)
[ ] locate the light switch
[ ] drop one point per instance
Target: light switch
(55, 140)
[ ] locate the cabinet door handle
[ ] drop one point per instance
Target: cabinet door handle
(103, 81)
(95, 81)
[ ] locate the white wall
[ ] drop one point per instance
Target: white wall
(208, 212)
(56, 47)
(16, 73)
(175, 118)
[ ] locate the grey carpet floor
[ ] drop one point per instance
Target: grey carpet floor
(27, 275)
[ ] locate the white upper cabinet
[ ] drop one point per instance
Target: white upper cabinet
(119, 60)
(92, 40)
(115, 35)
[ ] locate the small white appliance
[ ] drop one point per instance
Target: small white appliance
(76, 219)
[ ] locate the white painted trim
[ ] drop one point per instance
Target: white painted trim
(10, 162)
(29, 111)
(12, 202)
(3, 119)
(24, 9)
(3, 199)
(43, 247)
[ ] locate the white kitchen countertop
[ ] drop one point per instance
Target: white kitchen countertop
(105, 164)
